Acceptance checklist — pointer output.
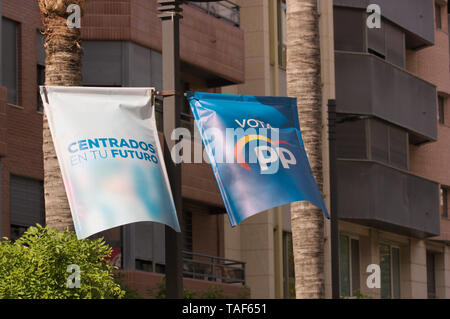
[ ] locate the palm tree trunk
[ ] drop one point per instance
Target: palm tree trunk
(303, 82)
(63, 68)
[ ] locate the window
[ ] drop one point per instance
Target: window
(398, 148)
(376, 41)
(40, 67)
(379, 141)
(431, 275)
(389, 144)
(146, 265)
(187, 231)
(17, 232)
(288, 264)
(349, 30)
(10, 59)
(40, 81)
(351, 139)
(441, 109)
(438, 17)
(390, 271)
(444, 201)
(26, 204)
(282, 33)
(349, 265)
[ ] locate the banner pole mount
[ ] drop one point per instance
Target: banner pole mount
(169, 93)
(44, 89)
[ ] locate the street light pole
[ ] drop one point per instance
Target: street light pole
(335, 288)
(170, 14)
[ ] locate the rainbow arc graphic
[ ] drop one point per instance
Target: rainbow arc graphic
(240, 145)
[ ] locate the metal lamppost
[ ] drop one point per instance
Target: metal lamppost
(170, 15)
(335, 287)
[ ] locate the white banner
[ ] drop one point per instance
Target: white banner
(110, 156)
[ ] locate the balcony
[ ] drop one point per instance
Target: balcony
(211, 47)
(376, 195)
(210, 268)
(368, 85)
(226, 10)
(415, 17)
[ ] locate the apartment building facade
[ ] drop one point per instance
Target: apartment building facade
(391, 87)
(122, 47)
(391, 90)
(392, 148)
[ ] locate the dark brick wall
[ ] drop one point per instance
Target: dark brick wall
(21, 125)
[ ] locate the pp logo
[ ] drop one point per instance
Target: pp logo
(265, 154)
(74, 280)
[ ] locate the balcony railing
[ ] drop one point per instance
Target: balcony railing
(226, 10)
(416, 17)
(186, 120)
(211, 268)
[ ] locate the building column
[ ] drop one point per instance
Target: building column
(257, 250)
(128, 247)
(414, 271)
(443, 274)
(255, 23)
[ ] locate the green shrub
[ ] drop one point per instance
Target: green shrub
(358, 295)
(213, 292)
(244, 293)
(36, 266)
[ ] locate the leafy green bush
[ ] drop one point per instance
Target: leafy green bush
(244, 293)
(36, 266)
(213, 292)
(358, 295)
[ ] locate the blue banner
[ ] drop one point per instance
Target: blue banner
(256, 152)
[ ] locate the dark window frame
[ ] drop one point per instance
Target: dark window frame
(353, 261)
(187, 231)
(444, 193)
(431, 274)
(40, 71)
(441, 109)
(383, 142)
(16, 231)
(438, 16)
(288, 266)
(19, 223)
(394, 274)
